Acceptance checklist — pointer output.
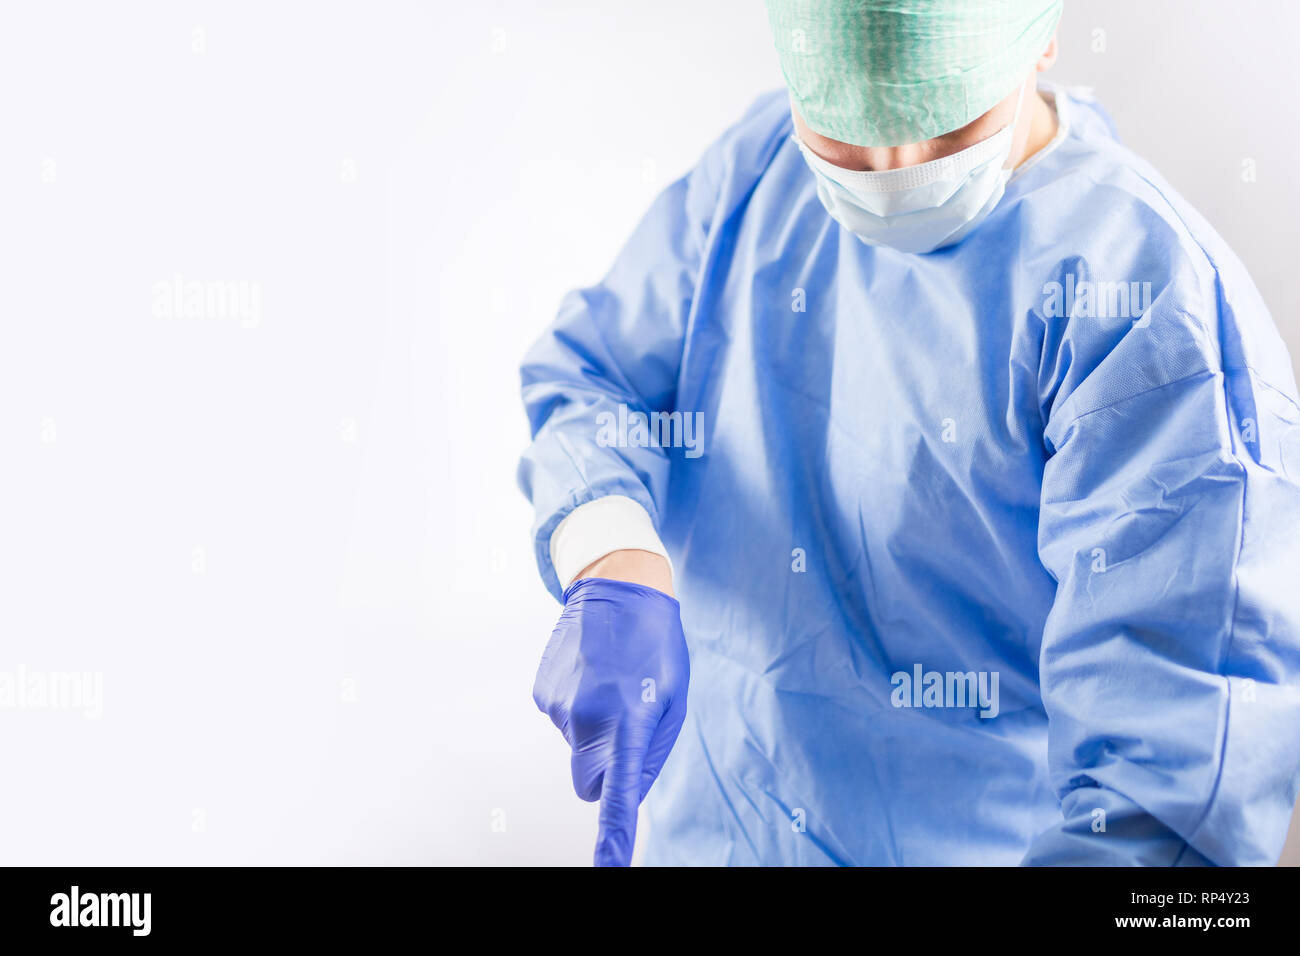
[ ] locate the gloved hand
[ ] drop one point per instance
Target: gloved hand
(613, 679)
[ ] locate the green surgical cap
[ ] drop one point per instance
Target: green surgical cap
(890, 72)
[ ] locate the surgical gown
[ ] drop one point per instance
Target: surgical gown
(987, 460)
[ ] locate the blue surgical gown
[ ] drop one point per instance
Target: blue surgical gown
(956, 462)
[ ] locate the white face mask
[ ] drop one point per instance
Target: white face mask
(918, 208)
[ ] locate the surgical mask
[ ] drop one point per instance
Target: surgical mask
(918, 208)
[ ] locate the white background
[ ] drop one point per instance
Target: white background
(293, 547)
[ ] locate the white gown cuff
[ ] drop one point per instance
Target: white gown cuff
(599, 527)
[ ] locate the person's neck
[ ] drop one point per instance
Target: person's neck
(1042, 127)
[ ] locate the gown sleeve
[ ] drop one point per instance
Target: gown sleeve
(615, 349)
(1170, 661)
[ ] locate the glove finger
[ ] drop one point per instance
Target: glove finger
(588, 771)
(549, 666)
(619, 798)
(661, 743)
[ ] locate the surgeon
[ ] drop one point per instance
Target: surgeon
(922, 483)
